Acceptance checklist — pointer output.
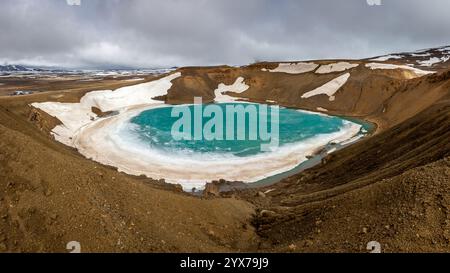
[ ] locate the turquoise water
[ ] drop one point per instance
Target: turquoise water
(154, 128)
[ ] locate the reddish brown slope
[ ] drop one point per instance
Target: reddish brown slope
(392, 188)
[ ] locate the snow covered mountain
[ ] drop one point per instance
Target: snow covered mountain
(435, 58)
(13, 68)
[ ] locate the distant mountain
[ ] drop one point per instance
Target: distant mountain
(433, 58)
(102, 72)
(13, 68)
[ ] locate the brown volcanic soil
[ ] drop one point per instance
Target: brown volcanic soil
(63, 83)
(49, 196)
(392, 187)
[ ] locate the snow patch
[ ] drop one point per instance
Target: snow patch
(322, 109)
(433, 61)
(293, 68)
(238, 86)
(329, 88)
(335, 67)
(416, 71)
(430, 62)
(421, 54)
(387, 58)
(75, 116)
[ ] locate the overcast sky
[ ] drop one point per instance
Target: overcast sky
(163, 33)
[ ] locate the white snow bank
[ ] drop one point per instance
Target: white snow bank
(421, 54)
(447, 48)
(430, 62)
(329, 88)
(238, 86)
(417, 71)
(74, 116)
(293, 68)
(433, 61)
(322, 109)
(335, 67)
(387, 58)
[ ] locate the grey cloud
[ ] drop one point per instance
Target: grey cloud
(148, 33)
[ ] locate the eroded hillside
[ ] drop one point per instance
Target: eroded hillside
(391, 187)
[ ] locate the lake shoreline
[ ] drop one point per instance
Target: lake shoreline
(315, 159)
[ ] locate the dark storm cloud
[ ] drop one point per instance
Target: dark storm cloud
(147, 33)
